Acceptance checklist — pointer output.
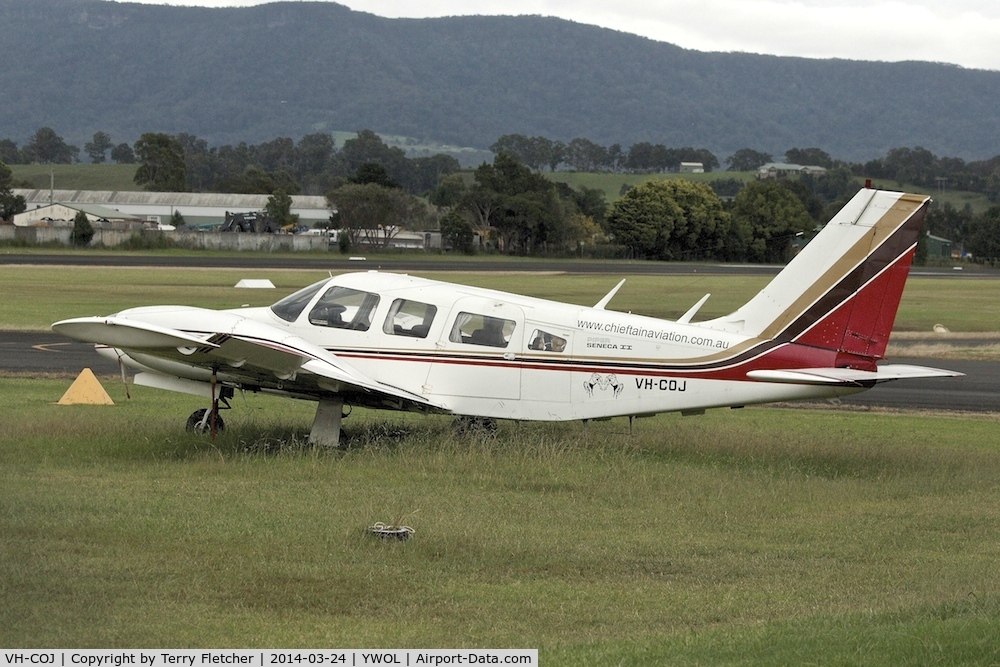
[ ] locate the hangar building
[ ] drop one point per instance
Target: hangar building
(197, 208)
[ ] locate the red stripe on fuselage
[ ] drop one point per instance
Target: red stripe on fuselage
(767, 355)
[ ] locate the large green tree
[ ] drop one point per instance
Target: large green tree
(123, 154)
(98, 146)
(585, 155)
(809, 156)
(747, 159)
(768, 216)
(984, 243)
(279, 208)
(372, 212)
(457, 232)
(9, 152)
(674, 219)
(47, 147)
(520, 206)
(161, 163)
(10, 204)
(369, 147)
(533, 152)
(83, 231)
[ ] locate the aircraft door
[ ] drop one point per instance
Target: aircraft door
(479, 353)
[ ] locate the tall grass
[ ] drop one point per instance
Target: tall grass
(756, 536)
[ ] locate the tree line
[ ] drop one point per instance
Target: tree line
(582, 154)
(914, 166)
(511, 207)
(313, 163)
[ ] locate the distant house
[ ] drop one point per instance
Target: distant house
(61, 215)
(692, 168)
(784, 169)
(938, 247)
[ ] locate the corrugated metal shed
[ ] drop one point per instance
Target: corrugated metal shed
(63, 213)
(213, 199)
(194, 205)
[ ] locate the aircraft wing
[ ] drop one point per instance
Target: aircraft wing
(849, 376)
(250, 354)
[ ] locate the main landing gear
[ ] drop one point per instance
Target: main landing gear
(207, 420)
(200, 422)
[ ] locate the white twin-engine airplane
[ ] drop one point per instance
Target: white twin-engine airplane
(397, 342)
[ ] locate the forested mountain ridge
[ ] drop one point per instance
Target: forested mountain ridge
(289, 69)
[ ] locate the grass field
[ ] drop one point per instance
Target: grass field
(758, 536)
(761, 536)
(36, 296)
(77, 176)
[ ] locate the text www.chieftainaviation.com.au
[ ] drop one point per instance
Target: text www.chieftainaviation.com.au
(652, 334)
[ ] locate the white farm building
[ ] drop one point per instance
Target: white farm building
(197, 208)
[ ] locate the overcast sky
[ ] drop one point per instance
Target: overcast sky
(962, 32)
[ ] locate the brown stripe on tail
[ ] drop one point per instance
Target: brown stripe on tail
(856, 316)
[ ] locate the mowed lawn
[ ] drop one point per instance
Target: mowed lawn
(35, 296)
(758, 536)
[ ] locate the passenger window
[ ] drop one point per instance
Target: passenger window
(409, 318)
(344, 308)
(481, 330)
(543, 340)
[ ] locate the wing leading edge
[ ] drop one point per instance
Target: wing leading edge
(247, 353)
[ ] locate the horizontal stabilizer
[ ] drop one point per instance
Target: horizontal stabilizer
(849, 376)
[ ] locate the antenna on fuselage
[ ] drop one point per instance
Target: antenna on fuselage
(607, 297)
(686, 317)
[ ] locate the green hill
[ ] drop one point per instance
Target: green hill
(252, 74)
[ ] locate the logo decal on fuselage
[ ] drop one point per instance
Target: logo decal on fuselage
(603, 383)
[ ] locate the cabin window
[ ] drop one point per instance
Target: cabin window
(292, 305)
(409, 318)
(475, 329)
(344, 308)
(544, 341)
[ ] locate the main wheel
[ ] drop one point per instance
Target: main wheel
(194, 423)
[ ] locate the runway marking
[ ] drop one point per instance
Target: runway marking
(45, 347)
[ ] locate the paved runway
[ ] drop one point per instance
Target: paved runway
(978, 391)
(337, 262)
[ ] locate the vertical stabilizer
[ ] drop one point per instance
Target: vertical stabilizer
(842, 291)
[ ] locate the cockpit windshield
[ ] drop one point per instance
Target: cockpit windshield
(292, 305)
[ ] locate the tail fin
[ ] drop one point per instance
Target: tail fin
(842, 291)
